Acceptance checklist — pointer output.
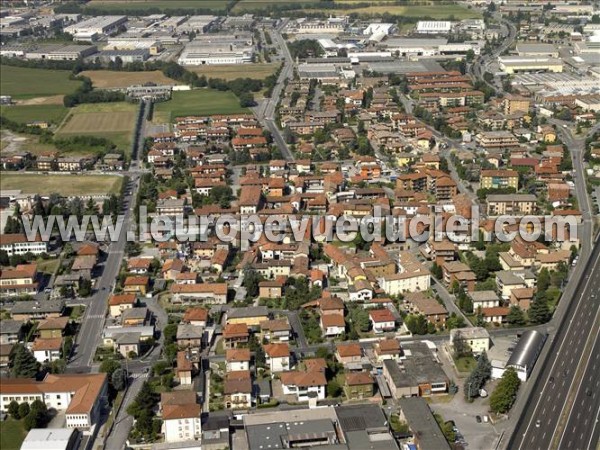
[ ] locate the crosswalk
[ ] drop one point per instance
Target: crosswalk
(95, 316)
(139, 375)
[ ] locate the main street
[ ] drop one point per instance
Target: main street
(265, 112)
(90, 332)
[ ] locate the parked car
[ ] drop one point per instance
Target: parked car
(478, 419)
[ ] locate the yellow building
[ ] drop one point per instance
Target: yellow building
(492, 179)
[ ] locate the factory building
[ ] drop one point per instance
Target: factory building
(92, 28)
(514, 64)
(434, 27)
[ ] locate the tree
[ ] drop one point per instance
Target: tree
(455, 321)
(515, 316)
(24, 409)
(505, 393)
(436, 271)
(109, 366)
(119, 379)
(416, 324)
(24, 363)
(251, 280)
(170, 333)
(333, 389)
(539, 312)
(38, 415)
(480, 374)
(13, 410)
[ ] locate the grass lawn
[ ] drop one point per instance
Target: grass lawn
(114, 121)
(201, 102)
(28, 113)
(76, 312)
(258, 71)
(111, 79)
(47, 265)
(66, 185)
(12, 434)
(23, 83)
(137, 5)
(465, 364)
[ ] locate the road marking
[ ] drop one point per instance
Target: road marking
(559, 351)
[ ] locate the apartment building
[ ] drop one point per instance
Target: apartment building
(510, 204)
(492, 179)
(18, 244)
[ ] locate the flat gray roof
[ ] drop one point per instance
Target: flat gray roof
(46, 306)
(422, 423)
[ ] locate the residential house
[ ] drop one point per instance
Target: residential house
(190, 336)
(235, 334)
(474, 340)
(180, 413)
(304, 385)
(207, 293)
(387, 349)
(136, 284)
(238, 390)
(332, 324)
(271, 289)
(434, 312)
(252, 316)
(52, 328)
(358, 385)
(11, 331)
(276, 330)
(196, 316)
(20, 280)
(121, 302)
(495, 315)
(135, 317)
(184, 372)
(484, 299)
(277, 357)
(350, 353)
(37, 310)
(237, 359)
(522, 297)
(47, 350)
(382, 320)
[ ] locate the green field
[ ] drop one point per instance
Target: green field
(65, 185)
(23, 83)
(28, 113)
(458, 12)
(136, 5)
(247, 5)
(114, 121)
(12, 434)
(201, 102)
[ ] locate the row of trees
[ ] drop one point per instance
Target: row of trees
(86, 94)
(34, 415)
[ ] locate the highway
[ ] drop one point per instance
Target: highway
(539, 425)
(559, 408)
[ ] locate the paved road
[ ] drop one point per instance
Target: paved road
(557, 404)
(123, 423)
(570, 353)
(266, 111)
(93, 320)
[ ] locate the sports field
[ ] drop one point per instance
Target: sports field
(141, 5)
(258, 71)
(62, 184)
(24, 83)
(197, 102)
(28, 113)
(110, 79)
(114, 121)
